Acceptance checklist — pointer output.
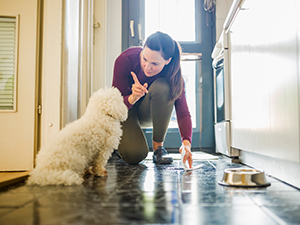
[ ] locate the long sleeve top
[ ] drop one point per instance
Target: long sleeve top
(128, 61)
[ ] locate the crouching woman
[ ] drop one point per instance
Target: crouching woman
(151, 83)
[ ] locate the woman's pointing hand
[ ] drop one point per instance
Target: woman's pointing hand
(137, 89)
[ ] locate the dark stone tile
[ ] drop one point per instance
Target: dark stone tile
(133, 198)
(215, 199)
(290, 214)
(4, 211)
(36, 190)
(223, 164)
(271, 198)
(150, 185)
(219, 215)
(51, 215)
(11, 200)
(201, 181)
(69, 197)
(147, 214)
(140, 214)
(275, 186)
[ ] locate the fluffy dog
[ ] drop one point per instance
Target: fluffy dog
(88, 141)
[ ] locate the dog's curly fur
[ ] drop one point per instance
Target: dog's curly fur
(88, 141)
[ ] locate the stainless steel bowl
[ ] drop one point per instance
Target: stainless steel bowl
(244, 177)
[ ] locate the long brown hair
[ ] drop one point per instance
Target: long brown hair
(169, 48)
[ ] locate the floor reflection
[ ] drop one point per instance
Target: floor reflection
(151, 194)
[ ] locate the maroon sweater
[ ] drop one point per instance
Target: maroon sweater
(129, 61)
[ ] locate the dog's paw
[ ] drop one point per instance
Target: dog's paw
(102, 173)
(88, 170)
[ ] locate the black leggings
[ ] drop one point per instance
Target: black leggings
(153, 110)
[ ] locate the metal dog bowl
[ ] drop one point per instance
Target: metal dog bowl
(244, 177)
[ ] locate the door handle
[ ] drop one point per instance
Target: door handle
(140, 34)
(191, 56)
(132, 28)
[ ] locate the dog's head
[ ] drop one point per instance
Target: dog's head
(108, 101)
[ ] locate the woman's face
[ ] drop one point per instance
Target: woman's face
(152, 62)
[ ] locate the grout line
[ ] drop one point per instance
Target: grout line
(298, 189)
(213, 165)
(273, 216)
(179, 196)
(268, 212)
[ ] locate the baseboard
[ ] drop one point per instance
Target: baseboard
(9, 178)
(283, 170)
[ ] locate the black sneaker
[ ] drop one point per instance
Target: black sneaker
(116, 152)
(161, 156)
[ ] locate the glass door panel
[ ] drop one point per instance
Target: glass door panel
(188, 22)
(174, 17)
(188, 69)
(178, 18)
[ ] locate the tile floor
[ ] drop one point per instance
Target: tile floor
(152, 194)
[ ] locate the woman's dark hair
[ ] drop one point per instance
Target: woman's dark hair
(169, 48)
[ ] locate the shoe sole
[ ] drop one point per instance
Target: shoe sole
(161, 163)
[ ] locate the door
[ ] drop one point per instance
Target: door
(18, 123)
(187, 22)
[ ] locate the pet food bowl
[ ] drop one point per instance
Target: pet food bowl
(244, 177)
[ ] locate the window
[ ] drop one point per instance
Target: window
(8, 62)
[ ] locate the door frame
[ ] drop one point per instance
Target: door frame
(38, 87)
(204, 139)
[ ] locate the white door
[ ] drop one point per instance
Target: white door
(17, 128)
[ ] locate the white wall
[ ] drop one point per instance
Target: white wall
(113, 36)
(107, 41)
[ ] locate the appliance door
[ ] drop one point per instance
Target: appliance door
(223, 139)
(220, 91)
(222, 104)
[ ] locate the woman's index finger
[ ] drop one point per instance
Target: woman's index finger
(135, 78)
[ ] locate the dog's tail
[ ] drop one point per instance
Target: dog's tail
(54, 177)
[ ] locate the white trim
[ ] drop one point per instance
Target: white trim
(99, 50)
(51, 69)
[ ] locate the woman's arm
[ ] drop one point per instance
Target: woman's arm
(185, 127)
(184, 118)
(121, 78)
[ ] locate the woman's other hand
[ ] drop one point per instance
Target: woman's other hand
(137, 89)
(188, 154)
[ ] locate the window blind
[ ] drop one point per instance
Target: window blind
(7, 63)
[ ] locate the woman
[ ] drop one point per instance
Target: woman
(151, 83)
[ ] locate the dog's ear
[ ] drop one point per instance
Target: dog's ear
(108, 101)
(115, 106)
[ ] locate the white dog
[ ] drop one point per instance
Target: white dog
(88, 141)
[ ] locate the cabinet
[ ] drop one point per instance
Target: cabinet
(265, 78)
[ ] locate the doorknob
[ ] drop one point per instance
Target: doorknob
(96, 25)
